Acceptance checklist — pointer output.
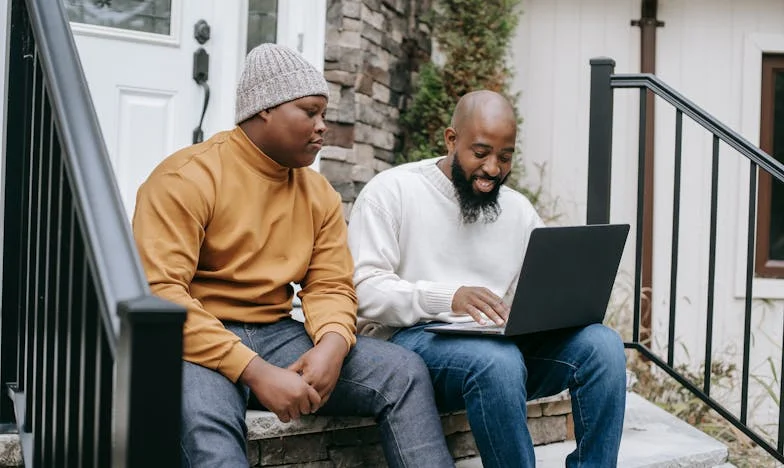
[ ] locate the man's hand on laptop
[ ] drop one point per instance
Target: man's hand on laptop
(481, 304)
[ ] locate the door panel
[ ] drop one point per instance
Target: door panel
(146, 112)
(138, 60)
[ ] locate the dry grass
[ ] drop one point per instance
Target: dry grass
(668, 394)
(656, 386)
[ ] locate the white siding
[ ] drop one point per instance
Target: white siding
(710, 51)
(703, 53)
(551, 52)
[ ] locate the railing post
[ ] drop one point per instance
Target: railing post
(18, 97)
(149, 384)
(600, 141)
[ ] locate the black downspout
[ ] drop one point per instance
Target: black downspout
(648, 24)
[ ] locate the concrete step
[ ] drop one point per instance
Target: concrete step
(652, 438)
(475, 462)
(10, 451)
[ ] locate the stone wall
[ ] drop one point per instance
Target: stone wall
(318, 442)
(372, 53)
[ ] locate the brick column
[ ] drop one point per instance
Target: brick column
(373, 49)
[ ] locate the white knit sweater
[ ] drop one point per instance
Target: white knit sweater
(412, 251)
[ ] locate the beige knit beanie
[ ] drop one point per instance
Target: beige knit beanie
(275, 74)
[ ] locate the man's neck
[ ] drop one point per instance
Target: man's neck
(444, 166)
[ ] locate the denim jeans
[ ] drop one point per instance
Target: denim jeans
(492, 378)
(378, 379)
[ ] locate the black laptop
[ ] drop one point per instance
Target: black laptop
(567, 276)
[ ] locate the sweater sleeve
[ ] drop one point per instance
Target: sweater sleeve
(384, 297)
(169, 227)
(329, 301)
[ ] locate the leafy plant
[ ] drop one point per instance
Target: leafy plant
(473, 36)
(427, 117)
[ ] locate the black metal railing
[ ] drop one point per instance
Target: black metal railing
(91, 360)
(603, 83)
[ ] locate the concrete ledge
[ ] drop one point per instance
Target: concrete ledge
(265, 425)
(652, 438)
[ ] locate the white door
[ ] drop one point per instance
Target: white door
(138, 57)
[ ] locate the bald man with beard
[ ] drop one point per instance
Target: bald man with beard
(443, 240)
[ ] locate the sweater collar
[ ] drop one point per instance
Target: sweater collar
(259, 161)
(439, 179)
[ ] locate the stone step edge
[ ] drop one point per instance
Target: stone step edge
(265, 425)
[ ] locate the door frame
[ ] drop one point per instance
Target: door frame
(227, 51)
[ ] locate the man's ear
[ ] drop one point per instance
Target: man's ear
(450, 138)
(265, 115)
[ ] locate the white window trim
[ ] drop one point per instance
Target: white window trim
(755, 45)
(172, 39)
(302, 26)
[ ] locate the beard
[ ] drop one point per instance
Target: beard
(475, 206)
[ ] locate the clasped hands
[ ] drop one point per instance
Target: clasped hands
(304, 386)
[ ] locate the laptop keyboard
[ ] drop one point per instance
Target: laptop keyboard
(479, 326)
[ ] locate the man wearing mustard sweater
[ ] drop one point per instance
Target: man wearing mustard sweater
(224, 227)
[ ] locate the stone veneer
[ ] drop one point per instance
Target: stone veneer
(326, 442)
(372, 53)
(320, 442)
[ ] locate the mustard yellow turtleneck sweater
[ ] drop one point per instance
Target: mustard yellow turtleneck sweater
(222, 229)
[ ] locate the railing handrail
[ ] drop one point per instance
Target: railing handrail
(111, 252)
(603, 83)
(702, 117)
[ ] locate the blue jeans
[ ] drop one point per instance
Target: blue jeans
(378, 379)
(492, 378)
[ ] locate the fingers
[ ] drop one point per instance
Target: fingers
(297, 366)
(494, 307)
(314, 399)
(305, 407)
(307, 402)
(491, 313)
(475, 314)
(481, 303)
(481, 307)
